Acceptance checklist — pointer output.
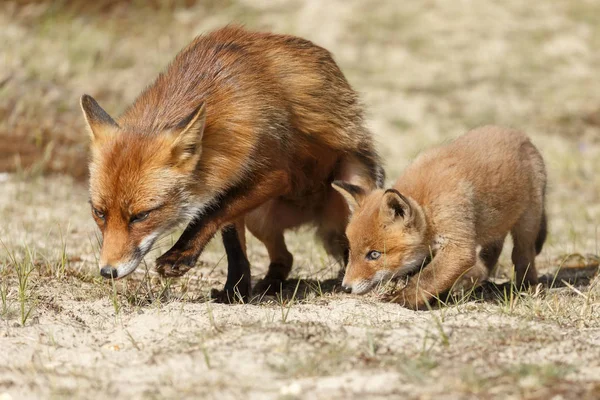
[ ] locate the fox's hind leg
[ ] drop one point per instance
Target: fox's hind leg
(524, 234)
(490, 253)
(332, 226)
(332, 229)
(281, 261)
(268, 223)
(529, 232)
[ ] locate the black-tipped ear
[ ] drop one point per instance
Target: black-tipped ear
(354, 195)
(99, 122)
(395, 207)
(188, 136)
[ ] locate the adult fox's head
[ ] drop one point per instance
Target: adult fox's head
(386, 233)
(139, 183)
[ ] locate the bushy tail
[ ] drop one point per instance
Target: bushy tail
(372, 161)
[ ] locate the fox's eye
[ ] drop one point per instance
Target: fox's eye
(373, 255)
(98, 213)
(139, 217)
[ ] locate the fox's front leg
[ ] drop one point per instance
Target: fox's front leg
(446, 268)
(234, 204)
(238, 284)
(185, 252)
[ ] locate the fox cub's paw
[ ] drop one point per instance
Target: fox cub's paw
(174, 264)
(407, 297)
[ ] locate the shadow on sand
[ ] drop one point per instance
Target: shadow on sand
(301, 289)
(494, 292)
(293, 290)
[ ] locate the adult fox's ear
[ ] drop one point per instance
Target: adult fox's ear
(354, 195)
(187, 144)
(395, 207)
(100, 125)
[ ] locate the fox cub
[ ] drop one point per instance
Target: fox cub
(452, 199)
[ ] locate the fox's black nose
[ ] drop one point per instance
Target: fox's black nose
(347, 289)
(108, 272)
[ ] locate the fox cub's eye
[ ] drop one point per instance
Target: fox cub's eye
(373, 255)
(98, 213)
(139, 217)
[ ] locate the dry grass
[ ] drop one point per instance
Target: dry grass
(427, 71)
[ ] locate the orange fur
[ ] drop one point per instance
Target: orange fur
(469, 193)
(242, 127)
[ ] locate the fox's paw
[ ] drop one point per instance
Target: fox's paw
(229, 296)
(174, 264)
(267, 287)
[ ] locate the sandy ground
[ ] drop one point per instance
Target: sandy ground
(427, 71)
(158, 342)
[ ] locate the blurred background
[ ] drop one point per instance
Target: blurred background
(426, 70)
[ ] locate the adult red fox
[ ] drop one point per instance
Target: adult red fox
(242, 129)
(450, 200)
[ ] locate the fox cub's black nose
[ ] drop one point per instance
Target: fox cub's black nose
(347, 289)
(108, 272)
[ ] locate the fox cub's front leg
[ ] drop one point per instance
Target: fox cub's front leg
(446, 268)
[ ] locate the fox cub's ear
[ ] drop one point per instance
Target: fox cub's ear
(353, 194)
(100, 125)
(395, 207)
(186, 147)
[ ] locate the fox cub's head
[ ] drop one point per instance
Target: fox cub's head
(139, 183)
(386, 233)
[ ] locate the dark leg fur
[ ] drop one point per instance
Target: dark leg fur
(490, 253)
(541, 237)
(237, 286)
